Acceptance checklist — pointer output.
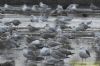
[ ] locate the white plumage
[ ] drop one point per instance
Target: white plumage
(6, 5)
(45, 51)
(35, 42)
(24, 7)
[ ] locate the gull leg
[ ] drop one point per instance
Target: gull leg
(26, 61)
(85, 60)
(82, 62)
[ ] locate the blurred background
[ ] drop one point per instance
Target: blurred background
(52, 3)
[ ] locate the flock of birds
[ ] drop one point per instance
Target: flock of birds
(41, 8)
(52, 46)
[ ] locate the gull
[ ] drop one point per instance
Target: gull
(92, 6)
(52, 43)
(35, 8)
(59, 9)
(42, 5)
(32, 28)
(37, 44)
(83, 26)
(45, 51)
(16, 36)
(84, 53)
(6, 6)
(72, 7)
(34, 18)
(58, 55)
(49, 29)
(31, 54)
(25, 7)
(15, 22)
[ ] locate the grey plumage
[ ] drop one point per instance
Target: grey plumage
(48, 35)
(84, 53)
(92, 6)
(51, 43)
(37, 44)
(83, 26)
(45, 51)
(29, 54)
(16, 22)
(3, 29)
(58, 55)
(32, 29)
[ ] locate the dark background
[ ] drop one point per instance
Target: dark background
(65, 3)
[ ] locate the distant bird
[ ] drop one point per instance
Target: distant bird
(35, 8)
(49, 29)
(92, 6)
(65, 51)
(46, 27)
(55, 53)
(71, 7)
(25, 7)
(37, 44)
(6, 6)
(11, 43)
(29, 39)
(83, 26)
(58, 55)
(43, 18)
(31, 54)
(3, 29)
(63, 39)
(16, 36)
(63, 19)
(16, 22)
(42, 5)
(84, 53)
(52, 43)
(48, 35)
(44, 8)
(34, 18)
(39, 18)
(45, 51)
(32, 29)
(8, 43)
(59, 9)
